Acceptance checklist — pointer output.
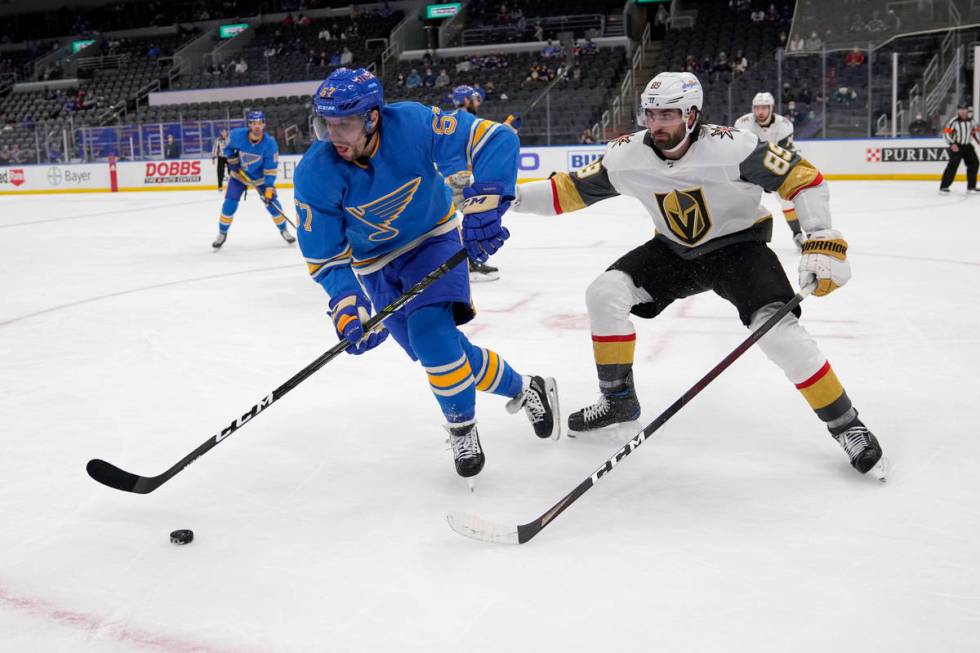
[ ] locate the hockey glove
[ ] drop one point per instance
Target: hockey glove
(514, 121)
(269, 193)
(349, 314)
(824, 262)
(482, 208)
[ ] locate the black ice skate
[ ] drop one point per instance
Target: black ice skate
(862, 447)
(614, 407)
(220, 240)
(467, 452)
(482, 272)
(288, 237)
(539, 399)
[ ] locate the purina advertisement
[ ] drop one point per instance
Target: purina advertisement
(908, 158)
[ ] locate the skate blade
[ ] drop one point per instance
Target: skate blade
(476, 277)
(880, 470)
(613, 430)
(551, 389)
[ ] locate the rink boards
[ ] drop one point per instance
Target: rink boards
(895, 159)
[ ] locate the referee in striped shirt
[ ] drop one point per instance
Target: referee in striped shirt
(960, 133)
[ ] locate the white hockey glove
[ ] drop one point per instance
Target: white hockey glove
(824, 262)
(799, 239)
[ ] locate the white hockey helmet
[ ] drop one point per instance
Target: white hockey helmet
(763, 100)
(673, 91)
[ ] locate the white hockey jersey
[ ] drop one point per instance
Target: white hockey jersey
(707, 199)
(778, 131)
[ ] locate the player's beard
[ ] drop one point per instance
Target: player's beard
(666, 140)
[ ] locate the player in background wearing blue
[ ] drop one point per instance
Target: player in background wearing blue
(253, 159)
(375, 217)
(468, 99)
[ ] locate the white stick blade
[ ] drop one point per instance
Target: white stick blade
(480, 529)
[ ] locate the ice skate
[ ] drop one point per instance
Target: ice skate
(539, 399)
(288, 237)
(614, 407)
(220, 240)
(862, 447)
(480, 272)
(467, 452)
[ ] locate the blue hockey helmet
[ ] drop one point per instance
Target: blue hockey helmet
(462, 93)
(252, 116)
(347, 92)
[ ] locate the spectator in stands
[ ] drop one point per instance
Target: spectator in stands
(585, 138)
(401, 80)
(814, 43)
(740, 64)
(691, 64)
(270, 51)
(796, 44)
(324, 34)
(722, 67)
(534, 74)
(589, 48)
(576, 72)
(303, 21)
(854, 58)
(876, 24)
(288, 21)
(772, 14)
(17, 156)
(414, 80)
(844, 95)
(757, 16)
(172, 150)
(661, 22)
(153, 52)
(538, 31)
(335, 59)
(4, 155)
(241, 67)
(346, 57)
(442, 79)
(792, 113)
(920, 126)
(429, 78)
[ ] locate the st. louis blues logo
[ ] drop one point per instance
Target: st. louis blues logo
(248, 158)
(380, 213)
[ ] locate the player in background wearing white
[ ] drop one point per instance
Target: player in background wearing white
(702, 185)
(771, 127)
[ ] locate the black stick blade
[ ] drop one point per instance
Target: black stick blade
(110, 475)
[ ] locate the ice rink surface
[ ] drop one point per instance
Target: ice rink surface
(321, 525)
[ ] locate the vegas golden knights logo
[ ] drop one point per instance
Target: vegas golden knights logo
(686, 214)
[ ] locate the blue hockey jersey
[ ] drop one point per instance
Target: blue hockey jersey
(258, 160)
(361, 215)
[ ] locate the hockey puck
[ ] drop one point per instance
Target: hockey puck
(182, 537)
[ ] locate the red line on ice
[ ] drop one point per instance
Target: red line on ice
(101, 628)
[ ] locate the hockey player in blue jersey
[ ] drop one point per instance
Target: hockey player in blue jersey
(253, 160)
(375, 217)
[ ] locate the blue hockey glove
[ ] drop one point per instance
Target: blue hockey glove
(349, 314)
(514, 121)
(483, 205)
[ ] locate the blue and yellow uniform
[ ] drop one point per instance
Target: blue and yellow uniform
(259, 162)
(386, 220)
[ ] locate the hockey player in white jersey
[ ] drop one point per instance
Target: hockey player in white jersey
(702, 185)
(771, 127)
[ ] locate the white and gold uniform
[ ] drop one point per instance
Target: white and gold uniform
(711, 234)
(778, 130)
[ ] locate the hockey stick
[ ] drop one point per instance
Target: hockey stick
(487, 531)
(109, 474)
(248, 181)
